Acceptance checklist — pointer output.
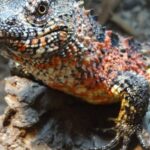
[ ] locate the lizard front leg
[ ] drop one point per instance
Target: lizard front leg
(133, 90)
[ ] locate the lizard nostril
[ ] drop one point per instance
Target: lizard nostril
(11, 21)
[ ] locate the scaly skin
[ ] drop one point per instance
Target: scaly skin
(61, 44)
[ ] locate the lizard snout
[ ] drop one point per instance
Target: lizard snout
(9, 26)
(11, 21)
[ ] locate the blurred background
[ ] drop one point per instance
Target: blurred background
(131, 17)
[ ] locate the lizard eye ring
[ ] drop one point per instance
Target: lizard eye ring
(42, 9)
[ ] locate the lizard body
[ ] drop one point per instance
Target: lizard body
(62, 45)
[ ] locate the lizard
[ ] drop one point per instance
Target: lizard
(61, 44)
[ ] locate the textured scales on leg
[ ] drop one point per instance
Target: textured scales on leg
(133, 89)
(62, 45)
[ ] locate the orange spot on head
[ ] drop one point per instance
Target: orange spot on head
(34, 41)
(22, 48)
(109, 33)
(63, 36)
(42, 41)
(56, 61)
(18, 59)
(42, 66)
(126, 41)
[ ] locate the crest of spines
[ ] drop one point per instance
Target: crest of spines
(97, 29)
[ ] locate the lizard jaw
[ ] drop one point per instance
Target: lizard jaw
(17, 43)
(19, 32)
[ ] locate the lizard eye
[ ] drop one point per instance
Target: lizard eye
(42, 8)
(37, 11)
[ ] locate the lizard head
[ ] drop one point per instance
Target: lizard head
(41, 27)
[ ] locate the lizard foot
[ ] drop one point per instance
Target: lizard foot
(124, 133)
(133, 90)
(144, 138)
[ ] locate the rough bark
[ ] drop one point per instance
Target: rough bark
(38, 118)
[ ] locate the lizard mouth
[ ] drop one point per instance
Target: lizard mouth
(21, 33)
(23, 38)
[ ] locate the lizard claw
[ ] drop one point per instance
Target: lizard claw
(144, 138)
(110, 145)
(108, 129)
(123, 133)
